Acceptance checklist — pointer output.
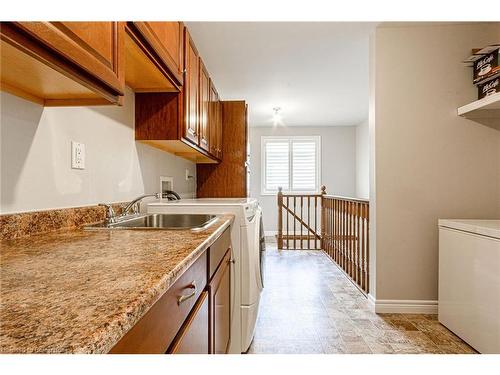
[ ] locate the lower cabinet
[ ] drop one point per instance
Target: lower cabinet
(193, 338)
(220, 307)
(193, 315)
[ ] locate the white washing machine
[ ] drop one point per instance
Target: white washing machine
(248, 255)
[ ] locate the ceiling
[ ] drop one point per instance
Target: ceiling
(316, 72)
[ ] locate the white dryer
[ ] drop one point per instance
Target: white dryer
(248, 256)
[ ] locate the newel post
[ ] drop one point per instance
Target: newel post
(323, 215)
(280, 218)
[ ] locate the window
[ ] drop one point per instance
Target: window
(292, 163)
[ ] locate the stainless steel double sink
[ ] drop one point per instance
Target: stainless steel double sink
(158, 221)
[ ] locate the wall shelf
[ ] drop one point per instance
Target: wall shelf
(488, 107)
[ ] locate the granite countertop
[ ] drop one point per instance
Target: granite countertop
(80, 291)
(490, 228)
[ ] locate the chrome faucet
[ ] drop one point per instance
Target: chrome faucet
(135, 204)
(134, 207)
(110, 213)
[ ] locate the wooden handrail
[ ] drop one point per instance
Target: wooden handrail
(343, 234)
(340, 197)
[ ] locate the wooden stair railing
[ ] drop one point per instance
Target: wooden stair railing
(300, 215)
(343, 224)
(345, 229)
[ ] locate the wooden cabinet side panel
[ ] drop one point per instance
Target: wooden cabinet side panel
(228, 178)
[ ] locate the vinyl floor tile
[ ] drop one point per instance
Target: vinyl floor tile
(309, 306)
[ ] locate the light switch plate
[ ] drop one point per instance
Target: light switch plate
(77, 155)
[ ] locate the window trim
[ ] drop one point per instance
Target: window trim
(263, 177)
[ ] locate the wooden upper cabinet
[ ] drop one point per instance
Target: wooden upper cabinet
(63, 63)
(154, 56)
(204, 106)
(186, 123)
(215, 122)
(191, 89)
(228, 178)
(167, 39)
(96, 37)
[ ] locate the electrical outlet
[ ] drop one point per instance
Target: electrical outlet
(77, 155)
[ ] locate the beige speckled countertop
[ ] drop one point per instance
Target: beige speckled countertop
(81, 291)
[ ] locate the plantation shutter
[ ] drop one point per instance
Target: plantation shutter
(277, 165)
(303, 165)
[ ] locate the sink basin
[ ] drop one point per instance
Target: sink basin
(159, 221)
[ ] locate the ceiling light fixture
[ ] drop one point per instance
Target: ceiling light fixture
(277, 116)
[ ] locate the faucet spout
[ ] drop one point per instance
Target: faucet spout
(134, 205)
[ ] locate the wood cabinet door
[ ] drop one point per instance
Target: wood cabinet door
(191, 89)
(193, 338)
(227, 179)
(220, 307)
(204, 105)
(214, 122)
(94, 47)
(218, 129)
(166, 40)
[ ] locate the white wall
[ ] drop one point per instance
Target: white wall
(429, 163)
(338, 154)
(36, 157)
(362, 160)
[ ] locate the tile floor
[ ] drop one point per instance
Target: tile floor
(309, 306)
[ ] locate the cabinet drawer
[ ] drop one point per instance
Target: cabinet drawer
(156, 330)
(217, 251)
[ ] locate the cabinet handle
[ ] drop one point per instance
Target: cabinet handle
(183, 298)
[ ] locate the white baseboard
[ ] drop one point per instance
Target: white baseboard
(269, 233)
(403, 306)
